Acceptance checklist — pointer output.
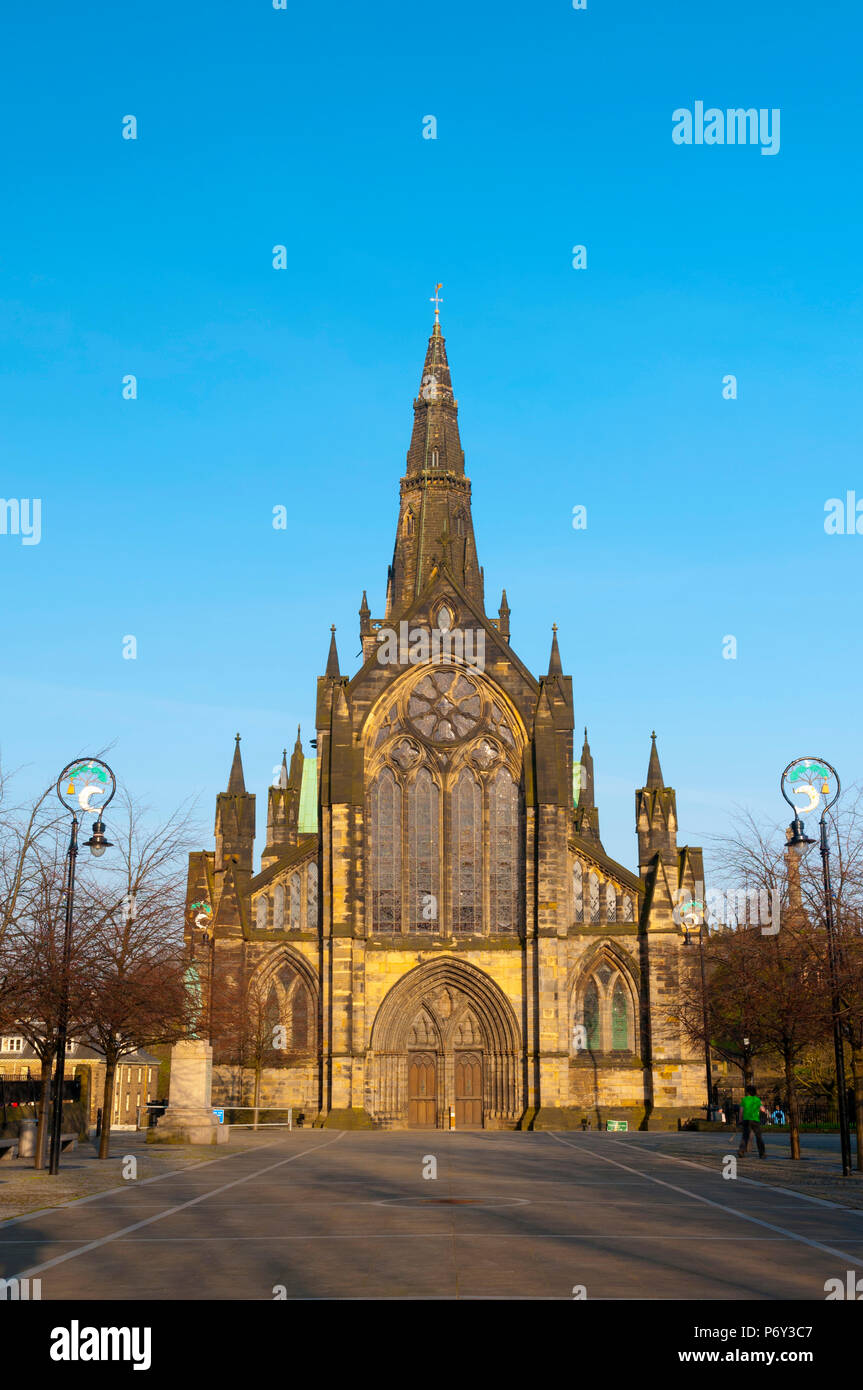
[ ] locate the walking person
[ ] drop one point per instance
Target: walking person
(751, 1108)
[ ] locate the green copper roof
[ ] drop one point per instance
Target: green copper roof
(308, 817)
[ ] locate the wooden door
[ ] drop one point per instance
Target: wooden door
(422, 1090)
(468, 1090)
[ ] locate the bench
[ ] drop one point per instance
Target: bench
(67, 1141)
(8, 1148)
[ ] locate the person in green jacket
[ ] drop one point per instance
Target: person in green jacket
(750, 1111)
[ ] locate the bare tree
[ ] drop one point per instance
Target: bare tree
(136, 989)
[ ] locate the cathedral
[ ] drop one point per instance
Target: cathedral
(436, 937)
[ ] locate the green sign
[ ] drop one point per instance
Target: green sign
(617, 1124)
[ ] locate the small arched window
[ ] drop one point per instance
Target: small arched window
(279, 908)
(408, 523)
(460, 528)
(295, 902)
(578, 892)
(311, 897)
(594, 898)
(435, 458)
(610, 903)
(627, 909)
(261, 913)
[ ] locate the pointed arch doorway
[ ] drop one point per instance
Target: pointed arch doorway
(445, 1039)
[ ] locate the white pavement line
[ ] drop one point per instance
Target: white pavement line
(109, 1191)
(755, 1182)
(171, 1211)
(720, 1206)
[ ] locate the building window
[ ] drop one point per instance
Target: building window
(409, 522)
(591, 1016)
(578, 891)
(627, 909)
(295, 902)
(12, 1045)
(460, 528)
(503, 810)
(593, 889)
(444, 815)
(423, 853)
(466, 803)
(385, 831)
(606, 1010)
(435, 458)
(261, 913)
(279, 907)
(619, 1019)
(311, 897)
(610, 903)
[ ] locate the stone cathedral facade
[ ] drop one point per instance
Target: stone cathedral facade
(436, 933)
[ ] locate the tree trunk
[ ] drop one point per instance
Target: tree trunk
(793, 1111)
(107, 1107)
(857, 1074)
(44, 1111)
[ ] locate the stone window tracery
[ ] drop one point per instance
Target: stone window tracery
(312, 897)
(605, 1010)
(444, 817)
(278, 908)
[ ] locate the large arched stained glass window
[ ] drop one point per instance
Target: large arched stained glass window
(467, 854)
(503, 823)
(424, 853)
(385, 831)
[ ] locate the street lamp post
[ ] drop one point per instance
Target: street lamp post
(81, 780)
(801, 776)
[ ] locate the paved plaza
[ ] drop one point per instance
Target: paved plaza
(322, 1214)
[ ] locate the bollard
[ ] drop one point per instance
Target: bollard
(27, 1139)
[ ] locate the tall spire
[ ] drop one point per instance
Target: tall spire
(236, 781)
(554, 666)
(654, 771)
(586, 813)
(435, 529)
(283, 770)
(333, 658)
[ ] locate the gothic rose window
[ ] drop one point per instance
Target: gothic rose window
(445, 706)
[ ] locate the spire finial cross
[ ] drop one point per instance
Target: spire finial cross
(436, 300)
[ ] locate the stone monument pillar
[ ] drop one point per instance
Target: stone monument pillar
(189, 1117)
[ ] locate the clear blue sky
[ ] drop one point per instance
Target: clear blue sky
(600, 387)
